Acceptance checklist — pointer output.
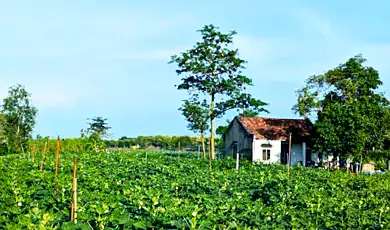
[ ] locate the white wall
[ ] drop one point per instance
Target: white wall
(296, 153)
(275, 150)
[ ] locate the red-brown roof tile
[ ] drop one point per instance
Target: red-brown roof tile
(276, 128)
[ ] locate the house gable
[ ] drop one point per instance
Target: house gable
(237, 134)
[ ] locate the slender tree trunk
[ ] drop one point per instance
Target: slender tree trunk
(18, 142)
(203, 146)
(212, 120)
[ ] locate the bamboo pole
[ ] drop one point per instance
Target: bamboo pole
(43, 156)
(34, 149)
(57, 163)
(73, 213)
(289, 156)
(178, 159)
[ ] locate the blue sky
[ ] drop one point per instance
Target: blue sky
(87, 58)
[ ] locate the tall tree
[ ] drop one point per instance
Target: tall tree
(98, 129)
(211, 68)
(19, 115)
(197, 115)
(350, 112)
(98, 126)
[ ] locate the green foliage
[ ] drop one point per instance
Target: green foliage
(386, 141)
(165, 142)
(213, 69)
(89, 143)
(128, 191)
(98, 127)
(379, 157)
(94, 142)
(250, 113)
(18, 119)
(350, 113)
(221, 130)
(92, 136)
(3, 136)
(196, 114)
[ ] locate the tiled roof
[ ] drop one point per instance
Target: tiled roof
(276, 128)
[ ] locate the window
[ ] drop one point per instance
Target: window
(266, 154)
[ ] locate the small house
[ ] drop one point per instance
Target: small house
(266, 140)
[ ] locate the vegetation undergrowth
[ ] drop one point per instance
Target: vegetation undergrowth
(149, 189)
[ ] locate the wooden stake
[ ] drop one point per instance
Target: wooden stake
(289, 155)
(178, 158)
(43, 156)
(237, 161)
(73, 211)
(34, 149)
(57, 163)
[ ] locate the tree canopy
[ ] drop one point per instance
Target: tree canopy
(18, 115)
(197, 116)
(98, 129)
(211, 68)
(98, 126)
(350, 112)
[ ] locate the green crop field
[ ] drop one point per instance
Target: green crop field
(126, 190)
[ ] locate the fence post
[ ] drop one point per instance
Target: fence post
(237, 161)
(73, 215)
(178, 158)
(43, 156)
(57, 164)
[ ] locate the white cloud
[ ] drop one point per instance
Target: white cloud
(47, 95)
(313, 21)
(65, 32)
(53, 99)
(253, 48)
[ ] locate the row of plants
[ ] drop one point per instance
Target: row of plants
(150, 189)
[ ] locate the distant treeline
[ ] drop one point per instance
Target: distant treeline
(186, 143)
(165, 142)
